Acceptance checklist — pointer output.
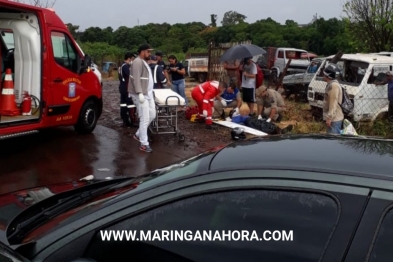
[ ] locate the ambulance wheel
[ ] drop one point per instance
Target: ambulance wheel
(88, 118)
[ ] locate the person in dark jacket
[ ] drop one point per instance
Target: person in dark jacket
(125, 101)
(161, 63)
(177, 72)
(158, 73)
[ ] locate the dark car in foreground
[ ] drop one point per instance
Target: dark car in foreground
(332, 195)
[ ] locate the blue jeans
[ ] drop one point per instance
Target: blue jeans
(179, 86)
(335, 128)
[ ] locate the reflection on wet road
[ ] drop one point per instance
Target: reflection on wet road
(61, 155)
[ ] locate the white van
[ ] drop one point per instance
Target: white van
(361, 75)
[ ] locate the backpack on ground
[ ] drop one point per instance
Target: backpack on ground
(346, 104)
(191, 111)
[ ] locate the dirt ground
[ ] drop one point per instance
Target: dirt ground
(196, 136)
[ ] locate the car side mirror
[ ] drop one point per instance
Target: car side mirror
(85, 64)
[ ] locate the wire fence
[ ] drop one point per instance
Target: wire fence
(362, 76)
(216, 68)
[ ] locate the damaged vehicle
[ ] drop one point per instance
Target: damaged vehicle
(364, 77)
(297, 84)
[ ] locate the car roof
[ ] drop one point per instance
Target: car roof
(318, 59)
(368, 58)
(292, 49)
(337, 154)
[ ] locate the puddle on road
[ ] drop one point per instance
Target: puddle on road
(61, 155)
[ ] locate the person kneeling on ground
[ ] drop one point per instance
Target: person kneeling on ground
(204, 95)
(258, 124)
(270, 104)
(230, 98)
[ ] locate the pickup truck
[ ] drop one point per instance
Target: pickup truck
(297, 84)
(197, 68)
(275, 59)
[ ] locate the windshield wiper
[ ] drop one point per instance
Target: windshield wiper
(63, 205)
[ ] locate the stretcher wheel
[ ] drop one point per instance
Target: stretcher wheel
(182, 137)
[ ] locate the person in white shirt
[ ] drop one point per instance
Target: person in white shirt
(141, 89)
(249, 72)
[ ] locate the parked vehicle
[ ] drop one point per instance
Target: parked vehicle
(97, 72)
(109, 67)
(46, 62)
(337, 203)
(384, 53)
(275, 59)
(361, 75)
(197, 66)
(93, 66)
(297, 84)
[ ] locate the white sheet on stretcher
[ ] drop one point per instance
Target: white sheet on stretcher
(161, 96)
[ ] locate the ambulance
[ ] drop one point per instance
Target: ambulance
(46, 80)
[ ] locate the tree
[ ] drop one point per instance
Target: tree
(213, 19)
(370, 23)
(232, 18)
(39, 3)
(73, 30)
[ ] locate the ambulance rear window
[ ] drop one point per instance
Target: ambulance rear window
(8, 38)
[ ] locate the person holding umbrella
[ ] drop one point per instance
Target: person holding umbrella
(249, 69)
(249, 72)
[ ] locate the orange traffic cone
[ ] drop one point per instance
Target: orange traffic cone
(7, 99)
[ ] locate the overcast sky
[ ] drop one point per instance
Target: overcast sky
(115, 13)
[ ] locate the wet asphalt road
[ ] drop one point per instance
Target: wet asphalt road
(60, 155)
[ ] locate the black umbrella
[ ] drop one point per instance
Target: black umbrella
(241, 51)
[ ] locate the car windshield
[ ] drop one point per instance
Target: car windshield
(296, 55)
(314, 66)
(350, 72)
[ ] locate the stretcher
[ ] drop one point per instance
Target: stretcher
(166, 119)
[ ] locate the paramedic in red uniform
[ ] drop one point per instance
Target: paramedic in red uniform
(204, 95)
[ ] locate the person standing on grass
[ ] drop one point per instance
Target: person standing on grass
(332, 112)
(177, 71)
(249, 72)
(232, 68)
(141, 89)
